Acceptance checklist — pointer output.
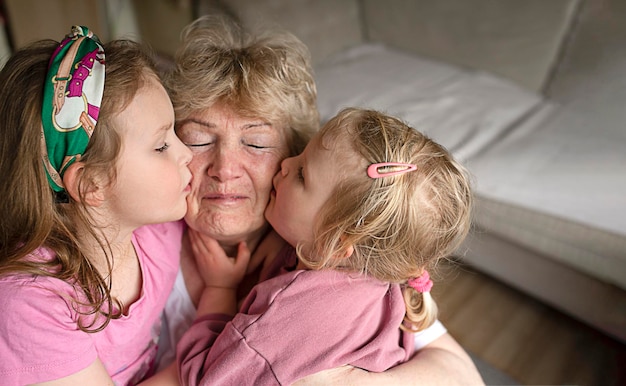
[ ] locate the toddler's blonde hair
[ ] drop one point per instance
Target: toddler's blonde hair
(398, 225)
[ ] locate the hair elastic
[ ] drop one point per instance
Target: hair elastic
(421, 283)
(72, 95)
(387, 169)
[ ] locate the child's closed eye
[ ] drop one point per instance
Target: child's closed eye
(162, 148)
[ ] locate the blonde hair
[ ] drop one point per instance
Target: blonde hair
(398, 225)
(268, 76)
(30, 217)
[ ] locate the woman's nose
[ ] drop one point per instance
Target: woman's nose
(225, 164)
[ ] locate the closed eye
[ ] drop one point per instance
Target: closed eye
(257, 146)
(163, 148)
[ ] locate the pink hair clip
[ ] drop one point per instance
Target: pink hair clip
(421, 283)
(395, 168)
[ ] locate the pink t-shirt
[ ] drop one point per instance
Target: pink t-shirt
(297, 324)
(39, 336)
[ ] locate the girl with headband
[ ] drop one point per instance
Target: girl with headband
(90, 166)
(370, 206)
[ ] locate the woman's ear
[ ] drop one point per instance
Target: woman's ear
(74, 182)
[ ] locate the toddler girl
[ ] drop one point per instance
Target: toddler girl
(88, 159)
(370, 206)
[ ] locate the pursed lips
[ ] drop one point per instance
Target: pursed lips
(275, 180)
(187, 187)
(273, 189)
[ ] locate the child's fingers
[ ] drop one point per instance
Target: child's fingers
(256, 259)
(206, 249)
(197, 244)
(267, 250)
(209, 244)
(214, 248)
(243, 256)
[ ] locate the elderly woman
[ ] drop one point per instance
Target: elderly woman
(244, 103)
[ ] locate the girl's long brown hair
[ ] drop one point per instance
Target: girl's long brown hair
(29, 216)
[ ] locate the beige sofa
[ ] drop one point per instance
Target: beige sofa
(551, 210)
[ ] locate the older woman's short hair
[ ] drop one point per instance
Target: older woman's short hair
(267, 76)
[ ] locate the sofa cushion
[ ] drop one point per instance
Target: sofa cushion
(543, 179)
(557, 186)
(463, 110)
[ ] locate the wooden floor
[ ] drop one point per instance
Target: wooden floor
(532, 343)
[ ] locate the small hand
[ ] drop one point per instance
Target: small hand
(215, 267)
(266, 251)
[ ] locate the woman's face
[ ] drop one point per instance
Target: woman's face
(234, 160)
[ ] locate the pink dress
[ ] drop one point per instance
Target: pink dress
(296, 324)
(39, 335)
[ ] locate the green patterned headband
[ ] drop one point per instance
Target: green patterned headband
(71, 101)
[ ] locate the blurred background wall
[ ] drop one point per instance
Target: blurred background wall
(521, 40)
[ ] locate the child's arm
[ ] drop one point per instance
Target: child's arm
(94, 374)
(166, 377)
(221, 274)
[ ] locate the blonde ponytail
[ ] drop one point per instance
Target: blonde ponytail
(421, 310)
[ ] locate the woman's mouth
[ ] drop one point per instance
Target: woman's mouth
(225, 198)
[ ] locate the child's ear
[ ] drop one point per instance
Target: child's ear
(347, 252)
(74, 182)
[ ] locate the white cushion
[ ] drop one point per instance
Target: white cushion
(463, 110)
(546, 178)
